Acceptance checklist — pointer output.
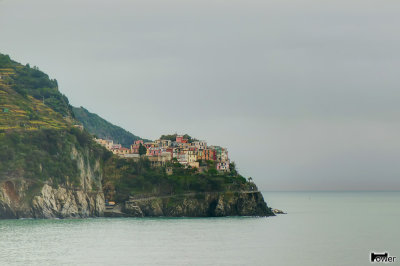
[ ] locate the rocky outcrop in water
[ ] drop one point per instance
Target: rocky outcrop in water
(277, 211)
(209, 204)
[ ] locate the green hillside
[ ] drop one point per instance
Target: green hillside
(37, 133)
(28, 81)
(29, 100)
(39, 144)
(19, 112)
(102, 128)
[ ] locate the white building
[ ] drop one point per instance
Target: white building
(201, 144)
(223, 166)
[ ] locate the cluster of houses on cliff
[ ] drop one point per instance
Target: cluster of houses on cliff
(162, 151)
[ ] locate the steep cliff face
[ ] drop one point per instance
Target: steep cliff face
(199, 205)
(24, 198)
(66, 203)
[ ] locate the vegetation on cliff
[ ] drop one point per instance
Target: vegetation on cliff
(46, 155)
(124, 178)
(172, 137)
(104, 129)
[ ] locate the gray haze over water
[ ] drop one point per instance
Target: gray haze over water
(304, 94)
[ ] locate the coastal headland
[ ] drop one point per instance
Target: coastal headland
(57, 161)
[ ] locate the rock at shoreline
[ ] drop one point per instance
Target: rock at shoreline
(210, 204)
(277, 211)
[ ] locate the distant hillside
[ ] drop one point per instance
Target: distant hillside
(102, 128)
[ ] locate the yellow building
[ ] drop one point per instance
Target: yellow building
(108, 144)
(160, 160)
(163, 143)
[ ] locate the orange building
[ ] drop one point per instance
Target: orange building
(208, 155)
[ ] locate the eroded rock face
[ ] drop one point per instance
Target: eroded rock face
(200, 205)
(63, 203)
(20, 198)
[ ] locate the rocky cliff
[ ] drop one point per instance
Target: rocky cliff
(25, 198)
(208, 204)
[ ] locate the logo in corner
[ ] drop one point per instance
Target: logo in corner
(382, 257)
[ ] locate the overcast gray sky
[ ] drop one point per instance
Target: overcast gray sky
(303, 93)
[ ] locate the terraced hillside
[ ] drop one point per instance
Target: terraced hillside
(29, 99)
(25, 112)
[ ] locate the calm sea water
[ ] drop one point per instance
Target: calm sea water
(321, 228)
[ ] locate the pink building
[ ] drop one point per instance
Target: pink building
(179, 139)
(135, 148)
(156, 151)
